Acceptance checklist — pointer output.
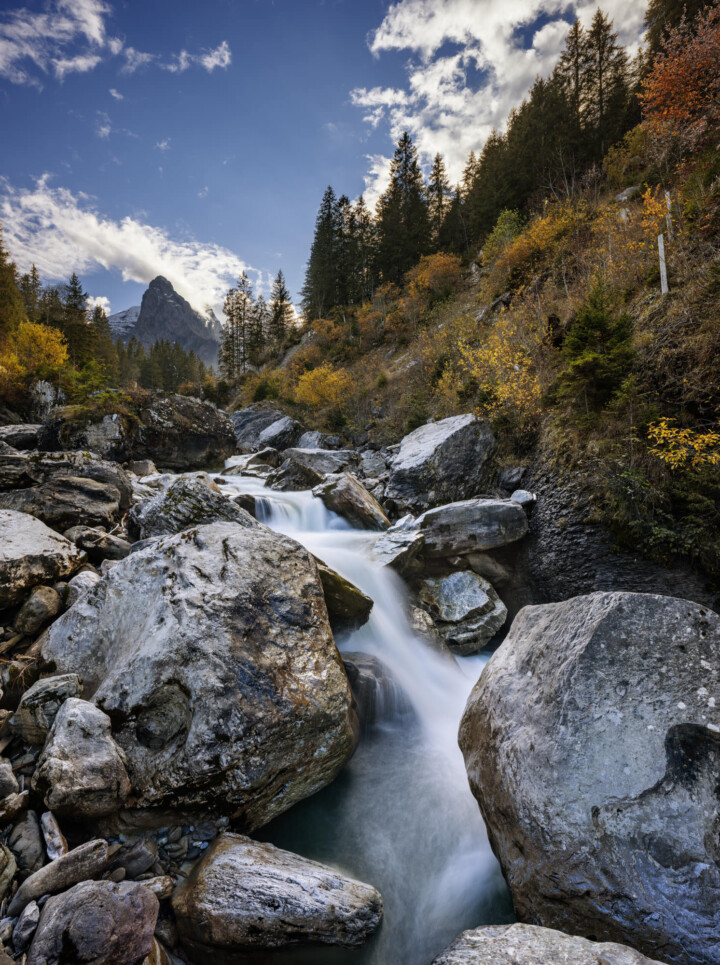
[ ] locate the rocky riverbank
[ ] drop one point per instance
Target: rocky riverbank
(171, 684)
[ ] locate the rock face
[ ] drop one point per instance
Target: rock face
(592, 742)
(81, 772)
(440, 462)
(530, 945)
(97, 921)
(22, 436)
(256, 428)
(186, 502)
(225, 687)
(166, 316)
(398, 548)
(183, 433)
(31, 553)
(348, 607)
(245, 895)
(466, 609)
(471, 526)
(344, 495)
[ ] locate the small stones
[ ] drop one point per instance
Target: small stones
(40, 704)
(39, 609)
(77, 865)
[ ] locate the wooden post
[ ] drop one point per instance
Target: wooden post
(663, 267)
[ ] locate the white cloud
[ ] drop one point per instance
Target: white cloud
(203, 193)
(376, 178)
(470, 66)
(102, 300)
(221, 56)
(116, 94)
(61, 232)
(135, 59)
(163, 145)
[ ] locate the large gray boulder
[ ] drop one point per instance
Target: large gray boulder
(96, 922)
(440, 462)
(81, 771)
(471, 526)
(246, 896)
(592, 743)
(305, 468)
(344, 495)
(39, 706)
(225, 687)
(281, 434)
(186, 502)
(466, 609)
(398, 548)
(21, 436)
(249, 423)
(30, 554)
(530, 945)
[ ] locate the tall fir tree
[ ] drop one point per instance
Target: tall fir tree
(365, 250)
(258, 326)
(402, 215)
(607, 82)
(319, 292)
(439, 195)
(31, 291)
(75, 324)
(662, 16)
(12, 308)
(281, 312)
(233, 356)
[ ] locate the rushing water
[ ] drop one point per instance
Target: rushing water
(400, 816)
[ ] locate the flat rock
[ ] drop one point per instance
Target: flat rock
(398, 548)
(343, 494)
(471, 526)
(614, 701)
(98, 544)
(245, 895)
(225, 687)
(186, 502)
(81, 771)
(77, 865)
(97, 922)
(440, 462)
(466, 609)
(531, 945)
(31, 553)
(40, 704)
(21, 436)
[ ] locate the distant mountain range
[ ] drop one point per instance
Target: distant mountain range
(166, 316)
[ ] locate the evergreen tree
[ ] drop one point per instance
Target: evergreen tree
(233, 355)
(31, 291)
(75, 326)
(662, 16)
(258, 325)
(402, 215)
(607, 84)
(365, 251)
(105, 351)
(281, 313)
(12, 308)
(319, 293)
(439, 195)
(572, 70)
(453, 235)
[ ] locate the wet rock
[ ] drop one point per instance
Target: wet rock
(281, 434)
(225, 687)
(40, 704)
(135, 858)
(466, 609)
(98, 922)
(79, 585)
(21, 436)
(142, 467)
(249, 423)
(440, 462)
(377, 695)
(344, 495)
(81, 771)
(264, 459)
(8, 867)
(97, 544)
(55, 841)
(187, 502)
(523, 498)
(348, 607)
(245, 895)
(25, 927)
(615, 699)
(25, 842)
(398, 548)
(471, 526)
(530, 945)
(30, 554)
(77, 865)
(40, 608)
(8, 781)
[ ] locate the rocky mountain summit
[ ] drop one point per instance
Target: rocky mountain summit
(164, 315)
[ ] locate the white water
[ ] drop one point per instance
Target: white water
(401, 815)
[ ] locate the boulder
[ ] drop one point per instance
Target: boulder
(97, 544)
(531, 945)
(25, 927)
(64, 501)
(344, 495)
(79, 585)
(466, 609)
(398, 548)
(305, 468)
(281, 434)
(471, 526)
(97, 921)
(315, 440)
(614, 701)
(249, 423)
(245, 896)
(8, 867)
(225, 687)
(77, 865)
(23, 470)
(373, 464)
(348, 607)
(378, 696)
(142, 467)
(8, 781)
(40, 704)
(40, 608)
(187, 502)
(440, 462)
(30, 554)
(81, 771)
(26, 843)
(22, 436)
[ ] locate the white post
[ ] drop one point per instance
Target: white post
(663, 267)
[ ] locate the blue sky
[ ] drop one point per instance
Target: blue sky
(197, 139)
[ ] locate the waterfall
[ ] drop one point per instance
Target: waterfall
(401, 815)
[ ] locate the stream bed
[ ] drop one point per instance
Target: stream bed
(400, 816)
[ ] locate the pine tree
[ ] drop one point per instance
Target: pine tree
(31, 291)
(233, 355)
(365, 246)
(258, 325)
(572, 70)
(281, 313)
(12, 309)
(319, 293)
(402, 215)
(662, 16)
(607, 84)
(75, 326)
(105, 351)
(439, 196)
